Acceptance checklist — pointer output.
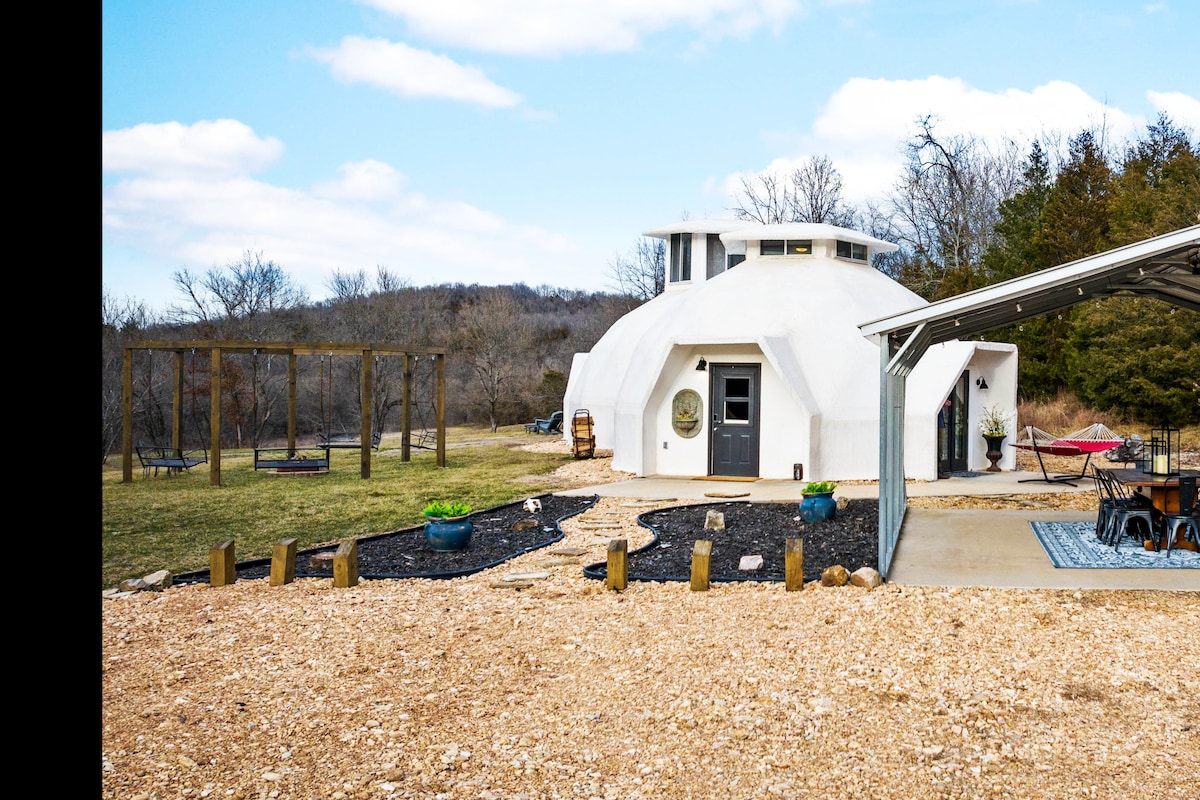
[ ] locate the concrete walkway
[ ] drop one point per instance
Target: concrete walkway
(940, 547)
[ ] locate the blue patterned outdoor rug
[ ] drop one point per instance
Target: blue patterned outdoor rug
(1073, 545)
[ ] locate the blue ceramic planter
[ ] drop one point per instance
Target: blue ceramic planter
(818, 507)
(448, 534)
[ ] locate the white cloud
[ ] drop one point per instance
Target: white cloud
(362, 181)
(863, 127)
(554, 27)
(409, 72)
(1183, 110)
(220, 147)
(363, 219)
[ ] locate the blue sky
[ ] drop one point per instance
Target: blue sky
(533, 141)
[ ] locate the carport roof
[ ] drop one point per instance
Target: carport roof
(1166, 268)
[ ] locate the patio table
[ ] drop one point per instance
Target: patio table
(1161, 491)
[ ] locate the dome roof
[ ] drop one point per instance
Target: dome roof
(804, 311)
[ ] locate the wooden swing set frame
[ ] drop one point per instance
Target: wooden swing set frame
(216, 349)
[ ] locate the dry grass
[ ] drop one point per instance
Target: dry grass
(1065, 414)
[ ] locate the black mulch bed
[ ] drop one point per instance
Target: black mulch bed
(404, 553)
(851, 539)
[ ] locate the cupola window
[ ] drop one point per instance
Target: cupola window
(788, 247)
(852, 250)
(681, 257)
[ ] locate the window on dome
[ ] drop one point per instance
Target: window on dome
(681, 257)
(790, 247)
(858, 252)
(716, 255)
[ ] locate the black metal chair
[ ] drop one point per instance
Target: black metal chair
(1105, 504)
(1126, 509)
(1186, 516)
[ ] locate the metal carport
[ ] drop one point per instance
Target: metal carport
(1166, 268)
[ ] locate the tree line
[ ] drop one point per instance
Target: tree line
(965, 215)
(509, 350)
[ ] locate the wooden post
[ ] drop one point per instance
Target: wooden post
(283, 562)
(701, 558)
(345, 565)
(793, 564)
(222, 566)
(618, 567)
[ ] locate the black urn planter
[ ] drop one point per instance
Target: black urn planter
(994, 453)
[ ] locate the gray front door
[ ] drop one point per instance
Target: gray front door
(733, 445)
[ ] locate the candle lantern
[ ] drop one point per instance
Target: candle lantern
(1162, 456)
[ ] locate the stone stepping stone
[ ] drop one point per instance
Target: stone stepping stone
(726, 494)
(569, 551)
(556, 562)
(527, 576)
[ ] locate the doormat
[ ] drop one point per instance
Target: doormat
(967, 474)
(724, 478)
(1073, 545)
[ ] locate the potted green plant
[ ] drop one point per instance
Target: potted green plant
(993, 424)
(448, 527)
(818, 503)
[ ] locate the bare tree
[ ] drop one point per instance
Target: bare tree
(641, 274)
(121, 321)
(812, 192)
(493, 336)
(244, 300)
(945, 206)
(764, 200)
(242, 290)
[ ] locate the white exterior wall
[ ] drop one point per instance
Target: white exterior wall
(930, 384)
(797, 317)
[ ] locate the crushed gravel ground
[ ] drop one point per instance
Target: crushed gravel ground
(473, 688)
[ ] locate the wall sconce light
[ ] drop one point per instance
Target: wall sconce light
(702, 366)
(981, 383)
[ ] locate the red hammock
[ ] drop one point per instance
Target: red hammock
(1095, 438)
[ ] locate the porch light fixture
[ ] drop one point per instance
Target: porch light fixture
(981, 383)
(702, 366)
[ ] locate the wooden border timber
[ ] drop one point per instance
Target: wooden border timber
(292, 349)
(222, 564)
(701, 560)
(283, 562)
(617, 574)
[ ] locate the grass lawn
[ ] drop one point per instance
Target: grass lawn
(172, 523)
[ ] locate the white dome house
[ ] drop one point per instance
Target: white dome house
(751, 364)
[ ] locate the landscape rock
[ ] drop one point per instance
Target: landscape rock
(866, 577)
(750, 562)
(837, 575)
(158, 580)
(714, 521)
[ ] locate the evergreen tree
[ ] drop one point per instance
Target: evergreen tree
(1158, 190)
